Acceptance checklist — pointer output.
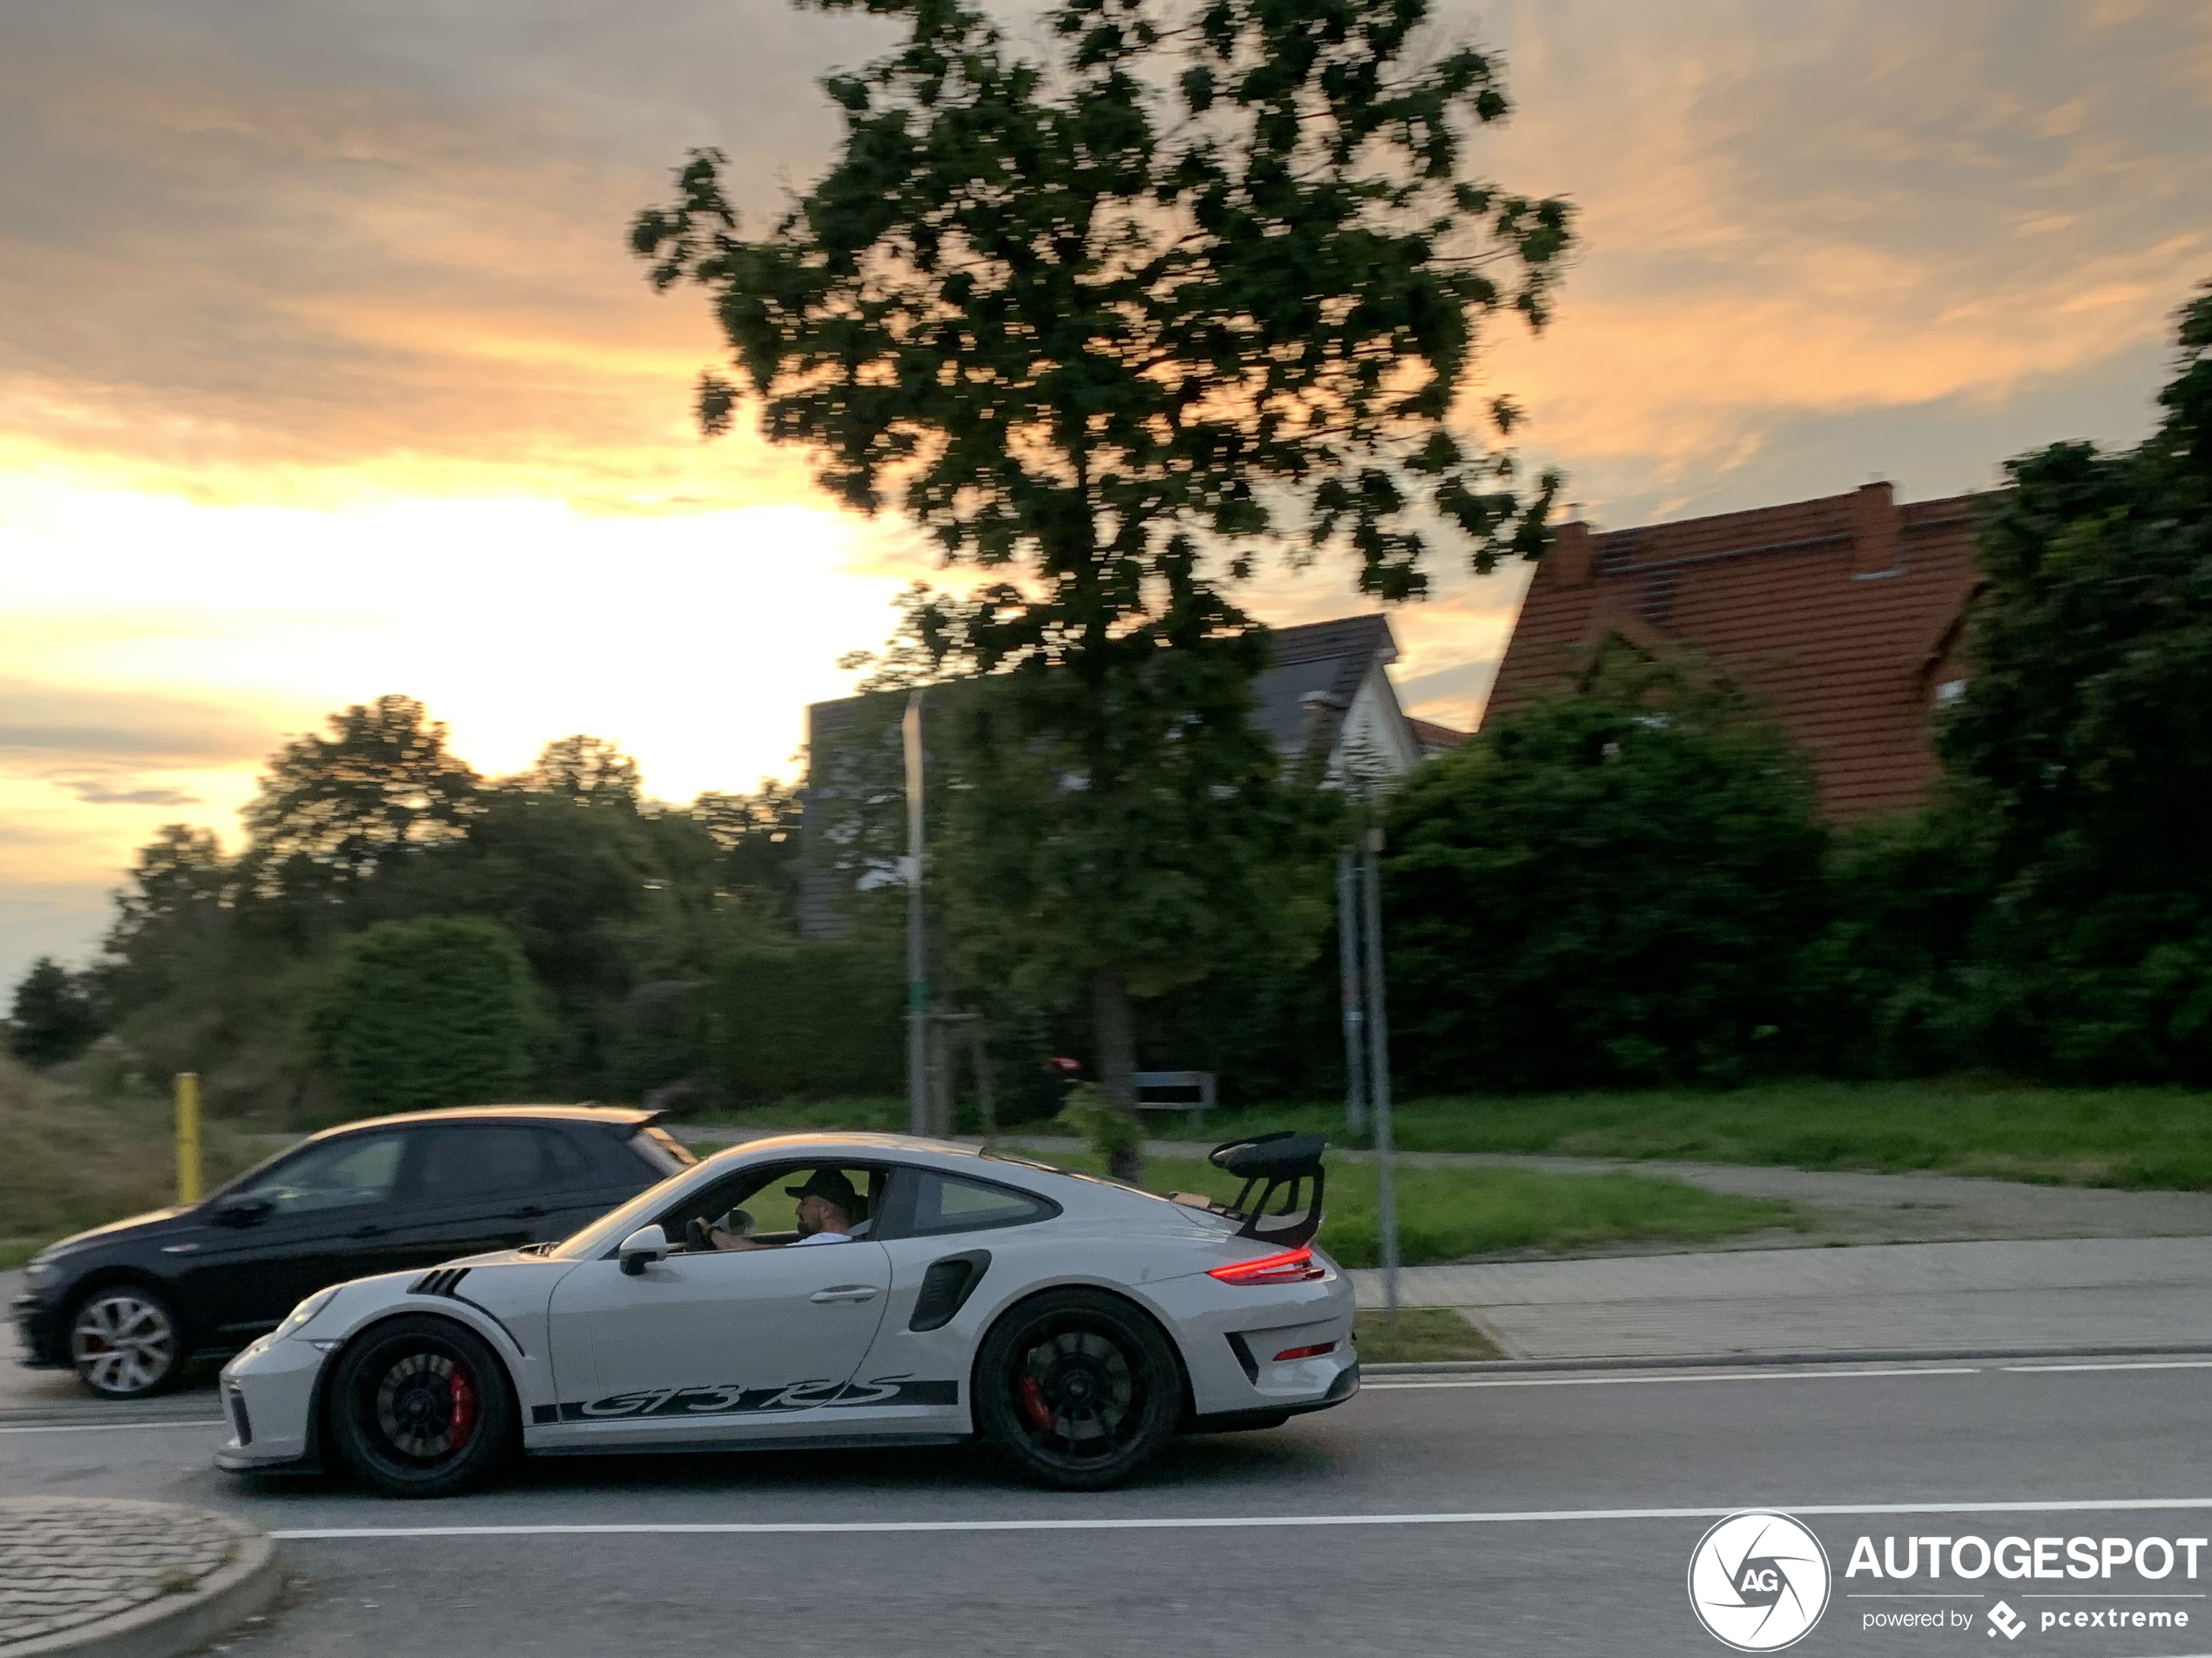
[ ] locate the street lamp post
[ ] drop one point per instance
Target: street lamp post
(917, 1112)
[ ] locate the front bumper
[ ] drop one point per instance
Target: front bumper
(268, 1394)
(41, 1331)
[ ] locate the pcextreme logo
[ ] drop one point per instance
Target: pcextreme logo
(1758, 1581)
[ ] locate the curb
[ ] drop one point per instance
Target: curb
(242, 1588)
(1755, 1361)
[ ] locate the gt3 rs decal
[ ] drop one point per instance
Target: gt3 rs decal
(730, 1399)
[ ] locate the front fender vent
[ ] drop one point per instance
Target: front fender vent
(439, 1281)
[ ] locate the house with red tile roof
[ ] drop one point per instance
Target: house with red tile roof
(1843, 614)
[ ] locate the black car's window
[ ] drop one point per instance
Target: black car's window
(946, 1203)
(661, 1150)
(569, 1162)
(479, 1160)
(335, 1174)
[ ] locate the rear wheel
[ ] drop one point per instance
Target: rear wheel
(420, 1407)
(1077, 1389)
(126, 1342)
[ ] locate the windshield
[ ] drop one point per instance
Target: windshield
(616, 1224)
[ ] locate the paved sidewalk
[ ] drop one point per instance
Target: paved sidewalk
(97, 1575)
(2084, 1293)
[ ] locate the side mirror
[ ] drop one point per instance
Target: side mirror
(244, 1209)
(642, 1248)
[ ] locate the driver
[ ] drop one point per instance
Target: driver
(830, 1212)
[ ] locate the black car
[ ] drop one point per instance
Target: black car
(129, 1306)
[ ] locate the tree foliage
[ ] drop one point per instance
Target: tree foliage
(55, 1017)
(1607, 886)
(438, 1012)
(2078, 750)
(332, 807)
(1099, 323)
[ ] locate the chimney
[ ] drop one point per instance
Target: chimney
(1571, 551)
(1874, 524)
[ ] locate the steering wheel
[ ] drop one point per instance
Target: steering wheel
(699, 1235)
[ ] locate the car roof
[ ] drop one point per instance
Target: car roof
(629, 1116)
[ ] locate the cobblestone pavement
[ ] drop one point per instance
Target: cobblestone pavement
(69, 1561)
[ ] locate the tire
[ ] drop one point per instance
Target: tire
(126, 1342)
(1077, 1389)
(421, 1406)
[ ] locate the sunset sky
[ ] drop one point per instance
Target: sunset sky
(324, 370)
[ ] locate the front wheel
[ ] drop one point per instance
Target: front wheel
(420, 1407)
(126, 1342)
(1077, 1389)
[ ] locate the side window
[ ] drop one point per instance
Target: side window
(946, 1204)
(339, 1174)
(569, 1160)
(479, 1161)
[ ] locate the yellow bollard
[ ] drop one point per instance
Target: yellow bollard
(187, 1136)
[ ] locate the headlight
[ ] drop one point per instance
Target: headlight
(37, 1275)
(301, 1315)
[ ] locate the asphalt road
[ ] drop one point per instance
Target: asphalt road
(1522, 1514)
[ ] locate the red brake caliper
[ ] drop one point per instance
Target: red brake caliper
(463, 1422)
(1033, 1405)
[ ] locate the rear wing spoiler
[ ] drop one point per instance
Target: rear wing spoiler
(1280, 1202)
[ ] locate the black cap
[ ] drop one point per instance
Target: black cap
(832, 1184)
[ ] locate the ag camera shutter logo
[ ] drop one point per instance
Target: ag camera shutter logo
(1758, 1581)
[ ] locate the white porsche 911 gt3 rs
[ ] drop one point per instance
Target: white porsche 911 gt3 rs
(937, 1294)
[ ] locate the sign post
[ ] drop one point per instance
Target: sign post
(1378, 1075)
(1355, 1054)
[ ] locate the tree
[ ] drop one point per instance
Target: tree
(1609, 887)
(1100, 323)
(55, 1017)
(2079, 744)
(431, 1013)
(332, 809)
(587, 769)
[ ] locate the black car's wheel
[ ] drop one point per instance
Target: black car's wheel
(420, 1407)
(126, 1342)
(1077, 1389)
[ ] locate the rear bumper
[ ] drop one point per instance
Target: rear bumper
(1342, 1388)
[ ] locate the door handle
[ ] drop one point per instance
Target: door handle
(846, 1292)
(366, 1232)
(526, 1213)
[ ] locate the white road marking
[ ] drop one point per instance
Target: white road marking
(1395, 1385)
(113, 1427)
(2127, 1364)
(1178, 1523)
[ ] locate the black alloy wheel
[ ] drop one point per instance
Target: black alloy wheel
(1077, 1389)
(420, 1407)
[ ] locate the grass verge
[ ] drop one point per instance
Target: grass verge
(1420, 1336)
(1451, 1214)
(2126, 1137)
(70, 1160)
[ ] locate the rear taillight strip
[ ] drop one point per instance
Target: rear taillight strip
(1293, 1266)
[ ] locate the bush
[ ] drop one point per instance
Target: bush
(807, 1020)
(430, 1013)
(1607, 888)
